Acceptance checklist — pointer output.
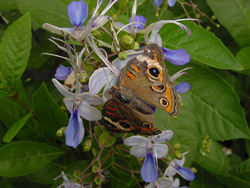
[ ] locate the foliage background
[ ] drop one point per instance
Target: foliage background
(217, 106)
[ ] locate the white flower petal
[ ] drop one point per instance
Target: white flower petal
(176, 182)
(136, 141)
(62, 89)
(160, 150)
(180, 162)
(164, 136)
(170, 171)
(98, 79)
(88, 112)
(138, 151)
(69, 103)
(106, 96)
(58, 30)
(91, 99)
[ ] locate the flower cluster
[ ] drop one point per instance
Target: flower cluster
(82, 85)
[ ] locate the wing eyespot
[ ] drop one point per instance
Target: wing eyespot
(164, 102)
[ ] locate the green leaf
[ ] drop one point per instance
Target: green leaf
(214, 161)
(243, 172)
(233, 15)
(103, 138)
(243, 57)
(24, 157)
(11, 133)
(45, 11)
(203, 46)
(15, 49)
(46, 174)
(8, 5)
(125, 177)
(48, 113)
(204, 179)
(214, 106)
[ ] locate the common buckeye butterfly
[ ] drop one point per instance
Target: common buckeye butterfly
(143, 84)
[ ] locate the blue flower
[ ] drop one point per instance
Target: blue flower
(149, 171)
(183, 87)
(171, 3)
(62, 72)
(176, 57)
(78, 13)
(74, 132)
(158, 2)
(176, 166)
(186, 173)
(140, 19)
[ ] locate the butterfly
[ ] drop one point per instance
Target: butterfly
(143, 85)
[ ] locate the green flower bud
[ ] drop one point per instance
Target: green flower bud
(198, 16)
(137, 45)
(127, 41)
(87, 145)
(208, 28)
(98, 180)
(178, 155)
(122, 56)
(95, 167)
(194, 170)
(213, 17)
(83, 77)
(77, 174)
(217, 25)
(60, 131)
(177, 146)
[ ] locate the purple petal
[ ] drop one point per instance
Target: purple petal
(140, 19)
(78, 12)
(158, 2)
(176, 57)
(149, 171)
(75, 131)
(171, 3)
(62, 72)
(183, 87)
(186, 173)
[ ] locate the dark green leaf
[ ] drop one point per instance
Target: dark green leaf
(232, 14)
(48, 113)
(11, 133)
(24, 157)
(205, 179)
(8, 5)
(214, 161)
(15, 49)
(103, 138)
(45, 11)
(243, 171)
(203, 46)
(46, 174)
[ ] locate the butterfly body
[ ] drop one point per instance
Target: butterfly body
(143, 84)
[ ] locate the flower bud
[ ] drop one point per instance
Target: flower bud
(83, 77)
(95, 168)
(137, 45)
(98, 180)
(178, 155)
(194, 170)
(198, 16)
(60, 131)
(127, 41)
(122, 56)
(213, 17)
(177, 146)
(87, 145)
